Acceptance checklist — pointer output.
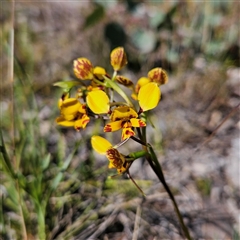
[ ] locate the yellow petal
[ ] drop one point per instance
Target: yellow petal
(116, 160)
(82, 109)
(99, 72)
(63, 98)
(83, 69)
(98, 101)
(122, 169)
(134, 96)
(113, 126)
(85, 120)
(141, 82)
(63, 122)
(70, 106)
(100, 144)
(123, 112)
(70, 117)
(118, 58)
(81, 123)
(149, 96)
(127, 133)
(110, 165)
(137, 122)
(158, 75)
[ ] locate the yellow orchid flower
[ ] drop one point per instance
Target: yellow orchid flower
(118, 58)
(116, 159)
(124, 117)
(73, 114)
(147, 90)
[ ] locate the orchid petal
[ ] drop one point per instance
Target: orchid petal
(98, 101)
(113, 126)
(149, 96)
(100, 144)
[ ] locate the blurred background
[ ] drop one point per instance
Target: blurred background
(54, 186)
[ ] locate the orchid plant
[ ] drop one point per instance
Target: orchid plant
(96, 100)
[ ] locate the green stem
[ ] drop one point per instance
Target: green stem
(21, 211)
(6, 160)
(162, 179)
(41, 221)
(135, 155)
(130, 177)
(115, 87)
(155, 165)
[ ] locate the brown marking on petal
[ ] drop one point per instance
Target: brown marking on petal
(118, 58)
(130, 133)
(114, 157)
(107, 128)
(86, 65)
(85, 121)
(124, 81)
(142, 123)
(158, 75)
(83, 68)
(164, 77)
(126, 164)
(126, 124)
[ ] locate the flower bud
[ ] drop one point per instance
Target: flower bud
(118, 58)
(83, 69)
(124, 81)
(158, 75)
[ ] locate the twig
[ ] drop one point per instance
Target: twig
(217, 128)
(137, 222)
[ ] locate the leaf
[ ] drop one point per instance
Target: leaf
(46, 161)
(67, 85)
(5, 160)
